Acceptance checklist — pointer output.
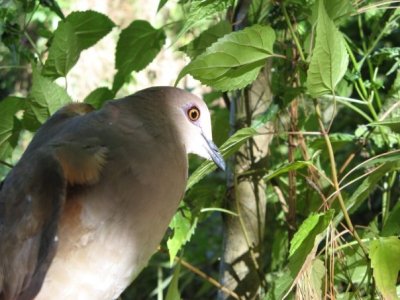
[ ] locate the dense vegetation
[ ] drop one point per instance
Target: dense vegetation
(311, 97)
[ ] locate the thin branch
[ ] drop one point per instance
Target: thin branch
(208, 278)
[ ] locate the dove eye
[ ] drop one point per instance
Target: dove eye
(193, 113)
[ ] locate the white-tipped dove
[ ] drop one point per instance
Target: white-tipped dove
(92, 196)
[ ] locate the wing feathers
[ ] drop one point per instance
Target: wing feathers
(32, 199)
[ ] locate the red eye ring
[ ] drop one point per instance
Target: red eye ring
(193, 113)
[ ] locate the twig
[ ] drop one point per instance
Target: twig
(207, 277)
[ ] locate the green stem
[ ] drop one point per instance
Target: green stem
(292, 32)
(33, 46)
(364, 93)
(335, 178)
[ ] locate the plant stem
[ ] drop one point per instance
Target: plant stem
(292, 32)
(206, 277)
(335, 179)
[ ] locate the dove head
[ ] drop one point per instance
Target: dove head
(191, 118)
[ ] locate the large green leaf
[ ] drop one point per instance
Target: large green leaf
(206, 38)
(89, 27)
(227, 149)
(9, 125)
(329, 59)
(46, 97)
(235, 60)
(384, 254)
(79, 31)
(137, 46)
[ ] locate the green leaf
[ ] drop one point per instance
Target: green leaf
(301, 246)
(367, 186)
(338, 8)
(286, 168)
(183, 226)
(10, 126)
(54, 7)
(202, 10)
(235, 60)
(329, 59)
(161, 4)
(173, 289)
(98, 96)
(63, 52)
(388, 157)
(392, 224)
(227, 149)
(206, 38)
(280, 285)
(89, 27)
(393, 124)
(384, 254)
(305, 238)
(29, 119)
(137, 46)
(46, 97)
(79, 31)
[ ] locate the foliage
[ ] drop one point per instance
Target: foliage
(334, 72)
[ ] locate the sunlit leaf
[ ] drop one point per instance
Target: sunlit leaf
(329, 59)
(235, 60)
(183, 226)
(384, 254)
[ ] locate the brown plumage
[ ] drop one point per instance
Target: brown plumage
(92, 196)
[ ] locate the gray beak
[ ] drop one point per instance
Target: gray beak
(213, 151)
